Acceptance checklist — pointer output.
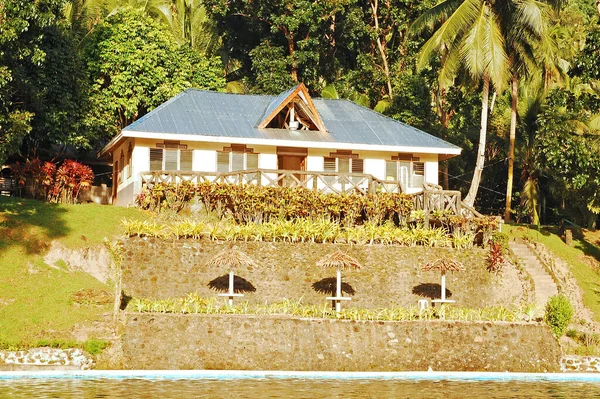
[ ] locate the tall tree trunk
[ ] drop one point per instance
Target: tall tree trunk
(291, 51)
(470, 198)
(511, 146)
(381, 48)
(444, 119)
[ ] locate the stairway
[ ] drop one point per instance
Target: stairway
(544, 284)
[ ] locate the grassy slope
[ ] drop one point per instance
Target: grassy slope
(586, 277)
(35, 299)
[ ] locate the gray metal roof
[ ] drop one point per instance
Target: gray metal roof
(214, 114)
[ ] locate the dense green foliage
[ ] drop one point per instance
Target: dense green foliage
(258, 203)
(73, 72)
(558, 314)
(134, 66)
(193, 304)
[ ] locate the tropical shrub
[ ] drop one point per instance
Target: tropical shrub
(193, 303)
(495, 258)
(46, 180)
(559, 313)
(250, 203)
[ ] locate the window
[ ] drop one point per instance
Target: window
(406, 169)
(121, 164)
(344, 162)
(236, 157)
(171, 156)
(129, 161)
(117, 174)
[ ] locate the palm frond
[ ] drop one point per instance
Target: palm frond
(498, 60)
(456, 23)
(435, 15)
(530, 196)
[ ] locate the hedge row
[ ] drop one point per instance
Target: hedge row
(248, 203)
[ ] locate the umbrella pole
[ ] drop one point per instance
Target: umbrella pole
(338, 291)
(231, 288)
(443, 286)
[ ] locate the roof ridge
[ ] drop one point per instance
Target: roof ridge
(224, 92)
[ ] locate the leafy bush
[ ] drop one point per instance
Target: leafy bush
(95, 346)
(559, 313)
(295, 230)
(47, 180)
(193, 303)
(251, 203)
(495, 258)
(501, 239)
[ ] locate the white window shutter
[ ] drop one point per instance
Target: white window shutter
(251, 161)
(171, 159)
(223, 162)
(185, 161)
(156, 159)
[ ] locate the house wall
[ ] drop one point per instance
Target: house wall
(205, 159)
(128, 186)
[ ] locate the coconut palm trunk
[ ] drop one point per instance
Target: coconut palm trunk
(511, 146)
(470, 198)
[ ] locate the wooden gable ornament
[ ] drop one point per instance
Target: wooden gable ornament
(293, 110)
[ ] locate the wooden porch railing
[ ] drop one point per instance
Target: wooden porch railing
(323, 181)
(8, 185)
(433, 199)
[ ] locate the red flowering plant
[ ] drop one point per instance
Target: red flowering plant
(70, 178)
(43, 180)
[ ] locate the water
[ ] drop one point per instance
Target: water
(182, 386)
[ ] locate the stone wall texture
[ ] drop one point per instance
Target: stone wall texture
(390, 276)
(580, 364)
(228, 342)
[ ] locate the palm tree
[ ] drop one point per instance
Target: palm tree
(530, 109)
(191, 24)
(479, 35)
(470, 36)
(531, 52)
(83, 15)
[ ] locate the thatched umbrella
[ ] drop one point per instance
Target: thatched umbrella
(340, 261)
(232, 259)
(444, 266)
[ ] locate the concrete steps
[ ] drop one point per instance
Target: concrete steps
(544, 284)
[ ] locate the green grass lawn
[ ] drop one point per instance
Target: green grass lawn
(36, 300)
(587, 278)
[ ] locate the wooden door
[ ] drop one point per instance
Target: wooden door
(291, 159)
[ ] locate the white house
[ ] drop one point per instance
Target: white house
(328, 144)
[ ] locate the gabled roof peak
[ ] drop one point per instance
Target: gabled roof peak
(292, 109)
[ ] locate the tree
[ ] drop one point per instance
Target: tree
(530, 52)
(488, 39)
(40, 96)
(134, 65)
(311, 35)
(471, 36)
(191, 24)
(568, 155)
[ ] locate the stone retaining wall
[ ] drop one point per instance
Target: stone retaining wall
(390, 276)
(45, 358)
(173, 341)
(581, 364)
